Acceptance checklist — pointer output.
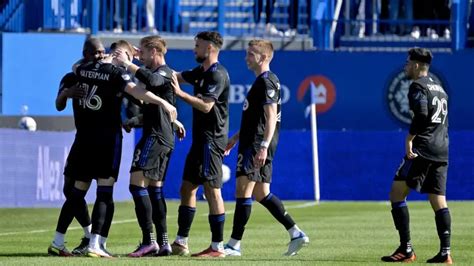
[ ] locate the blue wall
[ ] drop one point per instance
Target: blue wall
(33, 64)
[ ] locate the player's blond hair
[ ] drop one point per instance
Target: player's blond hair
(263, 47)
(154, 42)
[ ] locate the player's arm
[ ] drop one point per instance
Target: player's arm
(270, 125)
(147, 96)
(178, 127)
(231, 143)
(133, 122)
(409, 146)
(142, 74)
(67, 91)
(418, 101)
(203, 104)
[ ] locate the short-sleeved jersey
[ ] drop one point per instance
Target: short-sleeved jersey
(213, 83)
(429, 104)
(69, 80)
(99, 110)
(156, 120)
(265, 90)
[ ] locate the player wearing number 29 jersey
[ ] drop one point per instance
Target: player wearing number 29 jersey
(425, 165)
(429, 104)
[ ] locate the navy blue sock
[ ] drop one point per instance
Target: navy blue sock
(81, 209)
(73, 206)
(143, 210)
(401, 219)
(276, 208)
(185, 219)
(216, 221)
(443, 226)
(103, 211)
(158, 203)
(243, 208)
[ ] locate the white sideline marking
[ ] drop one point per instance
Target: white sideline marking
(299, 206)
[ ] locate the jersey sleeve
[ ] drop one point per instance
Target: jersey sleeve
(190, 75)
(272, 91)
(152, 79)
(67, 81)
(121, 79)
(216, 82)
(418, 101)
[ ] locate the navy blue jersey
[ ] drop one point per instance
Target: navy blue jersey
(99, 110)
(69, 80)
(156, 120)
(429, 104)
(213, 83)
(265, 90)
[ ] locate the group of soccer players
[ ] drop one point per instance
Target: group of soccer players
(97, 87)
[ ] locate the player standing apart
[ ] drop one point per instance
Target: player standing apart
(425, 165)
(258, 139)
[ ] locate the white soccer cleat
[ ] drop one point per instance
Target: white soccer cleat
(296, 244)
(230, 251)
(97, 253)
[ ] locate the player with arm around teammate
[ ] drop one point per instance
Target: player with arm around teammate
(153, 151)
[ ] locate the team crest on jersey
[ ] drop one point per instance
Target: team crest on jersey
(126, 77)
(212, 88)
(246, 105)
(397, 96)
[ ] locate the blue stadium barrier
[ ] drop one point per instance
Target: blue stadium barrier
(354, 165)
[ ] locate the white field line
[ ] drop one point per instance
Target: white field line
(299, 206)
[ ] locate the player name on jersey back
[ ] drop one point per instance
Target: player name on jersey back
(94, 75)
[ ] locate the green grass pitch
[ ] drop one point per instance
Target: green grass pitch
(341, 233)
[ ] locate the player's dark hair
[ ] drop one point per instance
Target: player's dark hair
(212, 36)
(422, 55)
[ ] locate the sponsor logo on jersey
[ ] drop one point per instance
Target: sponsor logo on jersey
(397, 95)
(163, 73)
(212, 88)
(271, 93)
(321, 91)
(126, 77)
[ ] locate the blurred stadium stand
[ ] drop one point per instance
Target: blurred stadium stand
(331, 25)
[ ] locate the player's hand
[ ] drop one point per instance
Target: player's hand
(121, 57)
(260, 157)
(175, 84)
(409, 150)
(75, 92)
(230, 144)
(171, 110)
(180, 130)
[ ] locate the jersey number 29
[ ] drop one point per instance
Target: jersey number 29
(441, 112)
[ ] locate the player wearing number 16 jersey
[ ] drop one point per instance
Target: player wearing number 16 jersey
(425, 165)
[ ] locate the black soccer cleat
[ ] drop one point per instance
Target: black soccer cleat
(400, 255)
(439, 258)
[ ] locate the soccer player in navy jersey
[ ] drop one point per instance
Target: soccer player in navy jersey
(209, 137)
(153, 151)
(258, 139)
(425, 165)
(96, 151)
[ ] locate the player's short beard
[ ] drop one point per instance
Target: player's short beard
(201, 59)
